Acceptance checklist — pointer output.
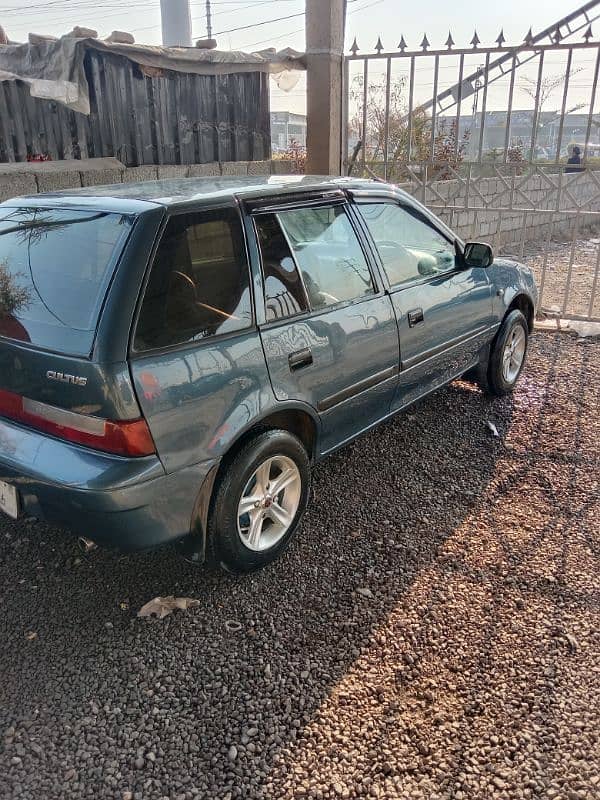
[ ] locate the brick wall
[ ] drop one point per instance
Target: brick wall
(30, 178)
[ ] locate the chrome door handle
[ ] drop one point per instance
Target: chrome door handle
(415, 316)
(299, 359)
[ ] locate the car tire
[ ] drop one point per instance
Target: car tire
(250, 522)
(507, 355)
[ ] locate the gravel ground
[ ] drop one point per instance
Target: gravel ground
(583, 297)
(432, 633)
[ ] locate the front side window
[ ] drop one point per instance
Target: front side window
(199, 282)
(333, 266)
(409, 247)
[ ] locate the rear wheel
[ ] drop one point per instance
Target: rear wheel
(259, 501)
(507, 356)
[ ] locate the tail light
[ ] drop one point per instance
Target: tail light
(124, 438)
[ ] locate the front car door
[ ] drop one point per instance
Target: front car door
(329, 330)
(444, 310)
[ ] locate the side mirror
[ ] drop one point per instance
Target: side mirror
(478, 254)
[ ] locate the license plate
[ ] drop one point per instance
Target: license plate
(9, 499)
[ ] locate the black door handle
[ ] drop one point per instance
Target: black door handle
(299, 359)
(415, 316)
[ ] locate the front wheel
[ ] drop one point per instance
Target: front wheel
(259, 501)
(508, 353)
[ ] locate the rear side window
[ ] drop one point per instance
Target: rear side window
(199, 283)
(333, 266)
(311, 259)
(55, 266)
(284, 292)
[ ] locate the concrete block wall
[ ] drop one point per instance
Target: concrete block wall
(17, 179)
(445, 198)
(448, 199)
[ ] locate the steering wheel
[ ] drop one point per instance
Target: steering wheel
(190, 283)
(186, 279)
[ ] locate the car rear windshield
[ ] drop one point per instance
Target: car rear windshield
(55, 266)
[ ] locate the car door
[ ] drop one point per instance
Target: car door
(329, 330)
(444, 310)
(196, 357)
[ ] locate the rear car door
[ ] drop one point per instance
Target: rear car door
(444, 310)
(197, 359)
(329, 330)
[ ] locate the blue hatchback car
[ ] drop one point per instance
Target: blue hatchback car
(174, 356)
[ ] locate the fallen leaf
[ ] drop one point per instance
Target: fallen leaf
(31, 635)
(493, 429)
(163, 606)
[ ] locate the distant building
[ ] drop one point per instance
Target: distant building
(521, 123)
(286, 128)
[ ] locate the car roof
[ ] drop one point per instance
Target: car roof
(137, 197)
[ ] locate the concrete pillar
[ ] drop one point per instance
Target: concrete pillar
(176, 23)
(324, 64)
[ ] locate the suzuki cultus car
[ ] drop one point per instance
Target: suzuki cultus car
(174, 356)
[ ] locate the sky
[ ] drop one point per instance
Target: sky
(256, 24)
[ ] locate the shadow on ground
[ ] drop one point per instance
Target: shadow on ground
(413, 551)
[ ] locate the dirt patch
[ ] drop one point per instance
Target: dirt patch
(566, 264)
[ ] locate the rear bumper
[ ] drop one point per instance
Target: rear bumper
(127, 503)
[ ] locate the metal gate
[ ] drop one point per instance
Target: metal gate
(502, 142)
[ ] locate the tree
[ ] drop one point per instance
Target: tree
(546, 87)
(295, 154)
(13, 298)
(449, 147)
(543, 92)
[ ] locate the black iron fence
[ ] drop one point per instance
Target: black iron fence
(502, 141)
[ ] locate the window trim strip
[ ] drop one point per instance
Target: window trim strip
(254, 208)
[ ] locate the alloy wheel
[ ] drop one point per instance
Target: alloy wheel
(514, 354)
(269, 503)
